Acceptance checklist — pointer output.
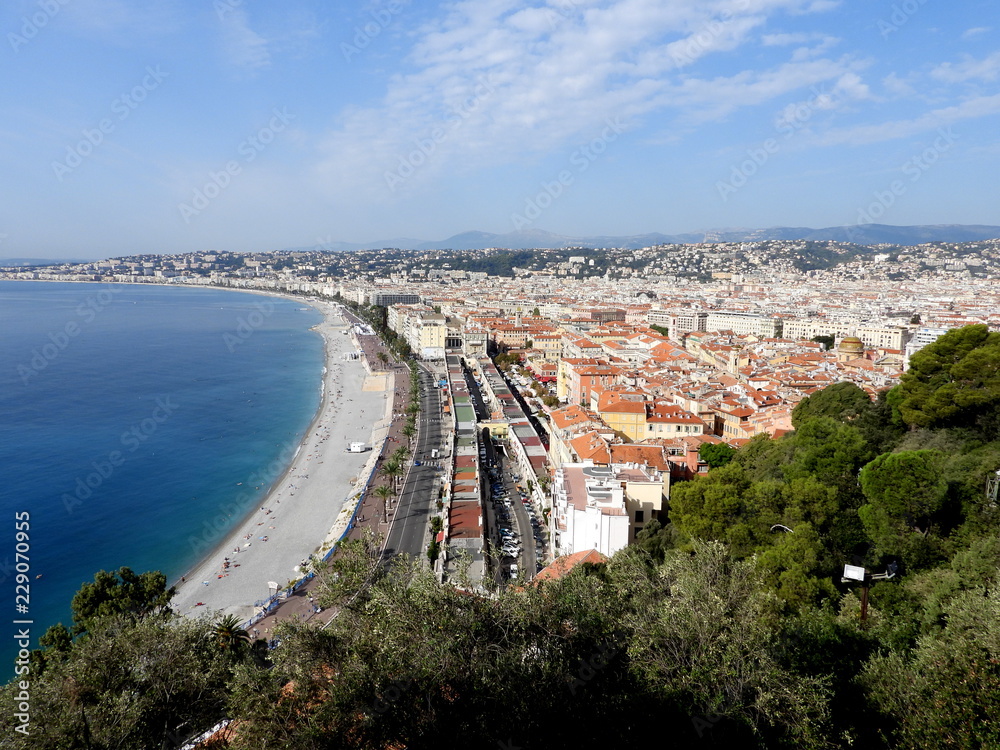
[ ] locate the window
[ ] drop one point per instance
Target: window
(639, 516)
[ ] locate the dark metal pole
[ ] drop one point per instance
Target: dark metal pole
(864, 603)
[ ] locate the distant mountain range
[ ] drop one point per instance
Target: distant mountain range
(526, 239)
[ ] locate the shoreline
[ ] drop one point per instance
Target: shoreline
(316, 487)
(276, 483)
(318, 505)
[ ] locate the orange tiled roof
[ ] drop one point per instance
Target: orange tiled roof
(562, 566)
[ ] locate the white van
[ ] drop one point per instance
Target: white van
(513, 571)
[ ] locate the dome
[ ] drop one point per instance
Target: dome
(851, 344)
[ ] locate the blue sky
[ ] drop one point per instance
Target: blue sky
(133, 126)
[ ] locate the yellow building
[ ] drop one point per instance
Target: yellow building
(624, 412)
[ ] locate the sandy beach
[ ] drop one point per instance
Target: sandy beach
(303, 509)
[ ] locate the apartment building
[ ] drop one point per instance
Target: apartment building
(744, 324)
(603, 507)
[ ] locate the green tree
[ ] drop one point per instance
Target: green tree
(954, 382)
(655, 539)
(840, 401)
(120, 593)
(383, 492)
(416, 663)
(826, 341)
(716, 454)
(714, 507)
(229, 636)
(946, 693)
(147, 682)
(906, 486)
(828, 450)
(392, 469)
(905, 491)
(794, 566)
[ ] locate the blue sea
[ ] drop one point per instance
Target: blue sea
(137, 422)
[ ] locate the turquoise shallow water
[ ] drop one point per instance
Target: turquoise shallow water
(131, 416)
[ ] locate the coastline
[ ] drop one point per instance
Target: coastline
(312, 501)
(307, 513)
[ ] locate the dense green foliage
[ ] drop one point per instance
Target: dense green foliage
(843, 401)
(608, 652)
(955, 382)
(726, 626)
(716, 454)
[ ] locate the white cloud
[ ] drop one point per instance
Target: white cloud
(977, 107)
(976, 31)
(554, 74)
(969, 69)
(897, 87)
(850, 86)
(843, 95)
(243, 47)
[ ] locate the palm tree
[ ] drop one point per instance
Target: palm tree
(409, 431)
(392, 469)
(384, 492)
(382, 357)
(229, 636)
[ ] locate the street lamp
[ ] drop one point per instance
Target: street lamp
(867, 580)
